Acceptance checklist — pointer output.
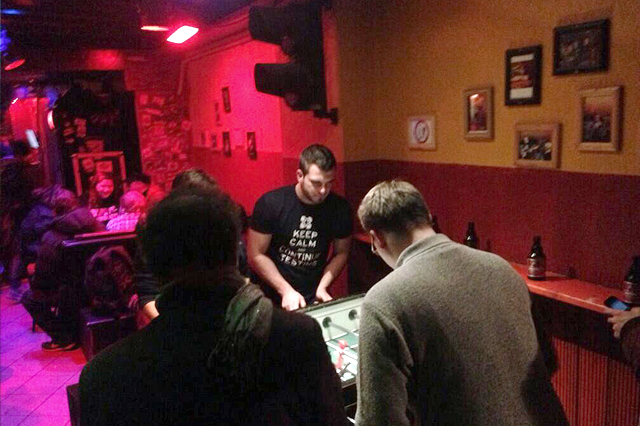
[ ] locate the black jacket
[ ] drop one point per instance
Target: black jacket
(159, 375)
(32, 230)
(50, 269)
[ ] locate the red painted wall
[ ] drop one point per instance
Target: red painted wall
(589, 223)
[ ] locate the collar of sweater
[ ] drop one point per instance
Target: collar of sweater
(420, 247)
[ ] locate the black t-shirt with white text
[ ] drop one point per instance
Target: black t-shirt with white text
(301, 234)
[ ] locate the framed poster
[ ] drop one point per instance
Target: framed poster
(581, 48)
(537, 145)
(421, 132)
(226, 144)
(87, 165)
(522, 76)
(599, 114)
(226, 99)
(478, 113)
(251, 146)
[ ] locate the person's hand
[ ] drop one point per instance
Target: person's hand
(619, 318)
(323, 296)
(292, 300)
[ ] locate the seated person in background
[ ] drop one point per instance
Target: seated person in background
(142, 183)
(103, 197)
(626, 327)
(50, 286)
(219, 353)
(146, 285)
(447, 338)
(132, 206)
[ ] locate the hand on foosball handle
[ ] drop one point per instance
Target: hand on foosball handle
(323, 296)
(292, 300)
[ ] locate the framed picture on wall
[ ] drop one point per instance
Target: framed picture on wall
(213, 142)
(478, 113)
(522, 76)
(599, 115)
(251, 146)
(581, 48)
(226, 144)
(537, 145)
(88, 165)
(421, 132)
(226, 99)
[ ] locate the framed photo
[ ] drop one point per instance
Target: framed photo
(217, 113)
(87, 165)
(581, 48)
(522, 79)
(251, 146)
(537, 145)
(213, 142)
(599, 111)
(226, 99)
(478, 113)
(226, 144)
(421, 132)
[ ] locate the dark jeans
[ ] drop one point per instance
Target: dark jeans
(55, 312)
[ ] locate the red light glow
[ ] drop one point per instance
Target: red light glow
(154, 28)
(15, 64)
(182, 34)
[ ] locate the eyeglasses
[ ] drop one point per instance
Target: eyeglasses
(374, 250)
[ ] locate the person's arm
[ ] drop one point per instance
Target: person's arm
(257, 245)
(626, 327)
(337, 263)
(383, 371)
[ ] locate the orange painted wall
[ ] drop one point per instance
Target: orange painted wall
(415, 57)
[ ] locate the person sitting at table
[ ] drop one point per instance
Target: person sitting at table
(132, 206)
(103, 197)
(626, 327)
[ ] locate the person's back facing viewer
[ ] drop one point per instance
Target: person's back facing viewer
(218, 353)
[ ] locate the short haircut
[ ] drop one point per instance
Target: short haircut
(194, 178)
(393, 206)
(46, 195)
(319, 155)
(138, 177)
(191, 229)
(63, 201)
(20, 148)
(132, 202)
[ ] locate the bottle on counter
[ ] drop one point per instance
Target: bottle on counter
(631, 285)
(471, 239)
(434, 224)
(536, 261)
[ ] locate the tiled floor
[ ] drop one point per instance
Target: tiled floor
(33, 382)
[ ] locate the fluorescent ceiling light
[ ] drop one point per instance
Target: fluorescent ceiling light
(182, 34)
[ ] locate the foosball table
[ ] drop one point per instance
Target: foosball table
(340, 320)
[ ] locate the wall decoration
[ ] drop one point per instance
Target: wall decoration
(537, 145)
(251, 146)
(421, 131)
(213, 142)
(226, 99)
(523, 72)
(599, 111)
(478, 113)
(87, 165)
(226, 144)
(217, 113)
(581, 48)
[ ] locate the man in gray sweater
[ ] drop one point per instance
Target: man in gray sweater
(447, 338)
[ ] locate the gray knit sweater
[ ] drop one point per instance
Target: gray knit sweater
(447, 338)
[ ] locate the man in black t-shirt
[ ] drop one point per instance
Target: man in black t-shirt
(292, 229)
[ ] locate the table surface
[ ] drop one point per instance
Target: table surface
(559, 287)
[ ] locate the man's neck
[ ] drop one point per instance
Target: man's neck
(399, 243)
(303, 198)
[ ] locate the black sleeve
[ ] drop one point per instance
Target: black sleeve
(263, 217)
(145, 283)
(630, 342)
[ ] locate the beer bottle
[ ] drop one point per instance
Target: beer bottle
(434, 224)
(471, 239)
(631, 285)
(537, 261)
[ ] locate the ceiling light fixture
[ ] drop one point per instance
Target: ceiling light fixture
(182, 34)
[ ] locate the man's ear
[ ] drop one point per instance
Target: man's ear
(378, 238)
(299, 175)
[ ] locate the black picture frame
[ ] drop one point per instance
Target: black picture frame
(523, 75)
(581, 48)
(226, 144)
(226, 99)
